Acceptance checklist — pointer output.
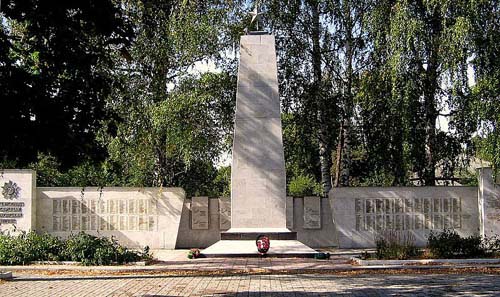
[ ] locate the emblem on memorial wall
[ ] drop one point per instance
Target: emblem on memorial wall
(10, 190)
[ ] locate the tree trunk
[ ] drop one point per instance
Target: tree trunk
(338, 156)
(430, 110)
(322, 133)
(430, 129)
(397, 157)
(345, 161)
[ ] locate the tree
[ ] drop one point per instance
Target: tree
(56, 76)
(346, 60)
(308, 99)
(171, 121)
(429, 49)
(485, 109)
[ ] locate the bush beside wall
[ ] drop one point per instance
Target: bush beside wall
(84, 248)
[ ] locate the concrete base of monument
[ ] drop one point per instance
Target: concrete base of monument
(247, 248)
(253, 233)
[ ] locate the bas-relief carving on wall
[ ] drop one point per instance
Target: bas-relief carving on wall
(289, 212)
(374, 214)
(224, 213)
(10, 190)
(493, 203)
(312, 213)
(100, 215)
(11, 212)
(199, 215)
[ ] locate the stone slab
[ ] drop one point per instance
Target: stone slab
(189, 238)
(17, 200)
(288, 235)
(5, 275)
(361, 213)
(289, 212)
(136, 217)
(199, 213)
(312, 213)
(224, 213)
(246, 248)
(488, 203)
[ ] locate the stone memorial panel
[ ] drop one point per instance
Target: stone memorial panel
(289, 212)
(489, 203)
(224, 213)
(312, 213)
(76, 215)
(17, 199)
(408, 213)
(199, 213)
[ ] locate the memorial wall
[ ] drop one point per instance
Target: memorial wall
(135, 216)
(489, 204)
(363, 213)
(163, 218)
(311, 220)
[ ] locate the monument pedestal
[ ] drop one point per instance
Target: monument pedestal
(247, 248)
(240, 242)
(252, 233)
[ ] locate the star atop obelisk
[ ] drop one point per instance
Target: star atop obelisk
(255, 14)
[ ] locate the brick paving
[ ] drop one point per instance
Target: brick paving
(255, 285)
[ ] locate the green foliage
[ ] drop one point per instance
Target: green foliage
(27, 247)
(92, 250)
(84, 248)
(222, 183)
(300, 147)
(55, 75)
(396, 245)
(50, 174)
(173, 123)
(47, 171)
(111, 92)
(304, 185)
(449, 244)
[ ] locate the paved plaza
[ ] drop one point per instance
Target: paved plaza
(255, 285)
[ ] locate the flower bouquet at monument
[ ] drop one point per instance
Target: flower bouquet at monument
(193, 253)
(263, 243)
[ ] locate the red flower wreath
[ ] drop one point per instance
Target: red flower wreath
(263, 243)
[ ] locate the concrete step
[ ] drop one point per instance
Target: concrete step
(247, 248)
(289, 235)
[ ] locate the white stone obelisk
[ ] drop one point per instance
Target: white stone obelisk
(258, 183)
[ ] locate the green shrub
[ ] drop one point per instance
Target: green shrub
(29, 246)
(304, 185)
(82, 247)
(444, 245)
(396, 245)
(93, 250)
(492, 245)
(448, 244)
(472, 247)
